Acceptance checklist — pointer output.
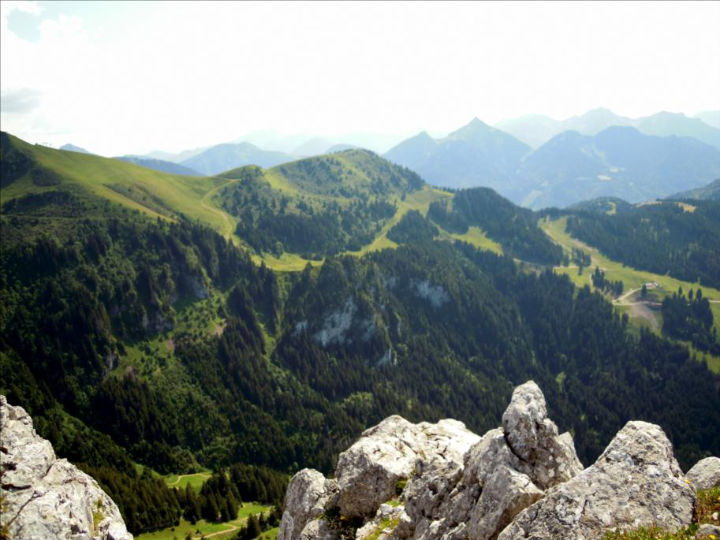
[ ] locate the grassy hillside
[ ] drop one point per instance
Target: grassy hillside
(151, 192)
(288, 216)
(632, 278)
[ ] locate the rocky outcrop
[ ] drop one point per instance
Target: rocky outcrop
(369, 471)
(705, 474)
(443, 480)
(308, 495)
(522, 480)
(44, 497)
(635, 482)
(506, 471)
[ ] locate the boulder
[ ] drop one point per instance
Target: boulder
(635, 482)
(705, 474)
(305, 500)
(368, 472)
(45, 497)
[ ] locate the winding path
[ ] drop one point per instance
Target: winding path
(229, 223)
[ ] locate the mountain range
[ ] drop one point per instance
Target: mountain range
(618, 161)
(556, 168)
(710, 192)
(536, 130)
(223, 157)
(474, 155)
(160, 165)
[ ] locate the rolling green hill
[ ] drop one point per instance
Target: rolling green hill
(38, 169)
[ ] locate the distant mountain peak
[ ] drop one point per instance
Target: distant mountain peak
(423, 135)
(474, 128)
(72, 148)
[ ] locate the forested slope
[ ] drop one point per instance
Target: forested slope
(681, 239)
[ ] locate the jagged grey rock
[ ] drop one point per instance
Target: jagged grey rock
(367, 473)
(45, 497)
(635, 482)
(548, 458)
(522, 480)
(316, 529)
(705, 474)
(305, 500)
(506, 471)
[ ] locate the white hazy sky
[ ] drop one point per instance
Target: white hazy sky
(133, 77)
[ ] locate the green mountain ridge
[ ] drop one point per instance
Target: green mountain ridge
(708, 192)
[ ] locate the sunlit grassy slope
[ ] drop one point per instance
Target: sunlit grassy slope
(154, 193)
(615, 271)
(203, 529)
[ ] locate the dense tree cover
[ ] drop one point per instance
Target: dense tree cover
(222, 493)
(662, 238)
(412, 228)
(690, 319)
(600, 282)
(602, 205)
(349, 174)
(298, 364)
(514, 227)
(580, 258)
(257, 524)
(475, 323)
(273, 222)
(14, 163)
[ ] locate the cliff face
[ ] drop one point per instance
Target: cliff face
(522, 480)
(44, 497)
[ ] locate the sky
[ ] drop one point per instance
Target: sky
(131, 77)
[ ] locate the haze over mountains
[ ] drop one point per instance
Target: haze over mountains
(223, 157)
(533, 160)
(536, 130)
(618, 161)
(474, 155)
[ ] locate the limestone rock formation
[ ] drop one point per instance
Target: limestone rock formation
(705, 474)
(506, 471)
(453, 483)
(522, 480)
(44, 497)
(368, 472)
(635, 482)
(307, 495)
